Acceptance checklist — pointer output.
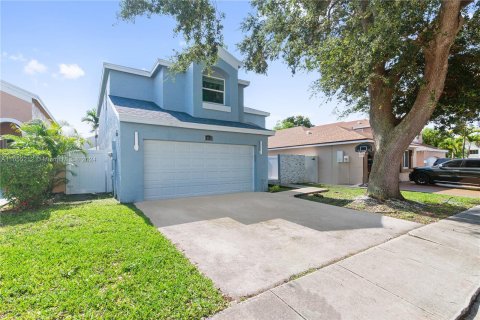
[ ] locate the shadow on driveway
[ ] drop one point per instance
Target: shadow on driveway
(254, 207)
(250, 242)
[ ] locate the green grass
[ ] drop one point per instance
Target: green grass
(96, 259)
(419, 206)
(272, 188)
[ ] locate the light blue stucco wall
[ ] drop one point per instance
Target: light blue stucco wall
(129, 85)
(254, 119)
(108, 138)
(182, 91)
(132, 164)
(230, 74)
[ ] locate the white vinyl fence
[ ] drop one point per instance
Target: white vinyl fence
(90, 173)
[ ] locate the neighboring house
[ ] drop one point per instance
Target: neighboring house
(180, 135)
(18, 106)
(345, 151)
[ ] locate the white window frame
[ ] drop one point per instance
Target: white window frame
(407, 152)
(203, 88)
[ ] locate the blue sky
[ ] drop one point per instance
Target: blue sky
(56, 50)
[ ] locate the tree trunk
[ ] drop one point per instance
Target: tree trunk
(384, 177)
(392, 136)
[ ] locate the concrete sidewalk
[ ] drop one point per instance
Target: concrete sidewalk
(430, 273)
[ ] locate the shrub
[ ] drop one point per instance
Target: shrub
(25, 176)
(274, 188)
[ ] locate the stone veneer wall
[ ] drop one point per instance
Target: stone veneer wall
(291, 168)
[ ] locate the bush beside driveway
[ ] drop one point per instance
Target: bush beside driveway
(96, 259)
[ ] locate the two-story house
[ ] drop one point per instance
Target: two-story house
(183, 134)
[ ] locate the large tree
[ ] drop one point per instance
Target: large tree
(293, 121)
(387, 58)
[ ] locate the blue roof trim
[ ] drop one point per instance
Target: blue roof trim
(123, 104)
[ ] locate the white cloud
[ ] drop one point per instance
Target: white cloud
(71, 71)
(33, 67)
(17, 57)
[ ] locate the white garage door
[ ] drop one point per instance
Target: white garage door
(184, 169)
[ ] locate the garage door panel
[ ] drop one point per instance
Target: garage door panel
(183, 169)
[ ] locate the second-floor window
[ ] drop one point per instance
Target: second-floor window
(213, 90)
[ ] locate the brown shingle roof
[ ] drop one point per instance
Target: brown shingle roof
(328, 133)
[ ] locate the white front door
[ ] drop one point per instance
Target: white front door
(183, 169)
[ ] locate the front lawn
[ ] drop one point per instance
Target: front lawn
(420, 207)
(96, 259)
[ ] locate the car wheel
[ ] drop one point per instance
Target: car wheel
(422, 179)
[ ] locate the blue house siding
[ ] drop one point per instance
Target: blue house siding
(254, 119)
(174, 86)
(109, 138)
(130, 86)
(132, 164)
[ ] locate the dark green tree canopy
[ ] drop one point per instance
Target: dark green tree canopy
(293, 121)
(345, 40)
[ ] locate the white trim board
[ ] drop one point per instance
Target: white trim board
(229, 58)
(189, 125)
(256, 111)
(216, 107)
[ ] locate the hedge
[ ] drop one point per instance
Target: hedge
(25, 176)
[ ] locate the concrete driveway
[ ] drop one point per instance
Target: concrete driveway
(250, 242)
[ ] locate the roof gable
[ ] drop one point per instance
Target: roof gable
(26, 96)
(222, 54)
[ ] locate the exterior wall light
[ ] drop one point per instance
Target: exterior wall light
(135, 144)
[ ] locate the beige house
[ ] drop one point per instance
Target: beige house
(345, 151)
(18, 106)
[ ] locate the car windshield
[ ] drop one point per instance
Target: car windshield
(452, 164)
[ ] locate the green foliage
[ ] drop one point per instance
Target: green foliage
(25, 176)
(96, 260)
(94, 121)
(293, 121)
(39, 135)
(274, 188)
(198, 22)
(42, 136)
(456, 144)
(460, 100)
(345, 40)
(433, 137)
